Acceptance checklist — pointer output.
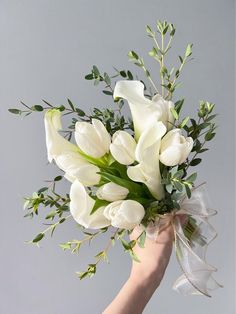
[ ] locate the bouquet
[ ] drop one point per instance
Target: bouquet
(132, 172)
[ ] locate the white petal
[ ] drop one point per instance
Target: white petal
(151, 136)
(56, 144)
(112, 192)
(81, 205)
(144, 111)
(121, 155)
(102, 133)
(172, 155)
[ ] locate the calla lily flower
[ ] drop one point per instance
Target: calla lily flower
(124, 214)
(81, 205)
(66, 154)
(144, 111)
(147, 154)
(93, 139)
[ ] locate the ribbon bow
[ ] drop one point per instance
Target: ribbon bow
(191, 251)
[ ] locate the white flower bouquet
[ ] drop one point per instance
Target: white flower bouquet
(132, 172)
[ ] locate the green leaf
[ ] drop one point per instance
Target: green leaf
(125, 245)
(80, 112)
(42, 190)
(130, 185)
(37, 108)
(89, 76)
(107, 92)
(15, 111)
(96, 71)
(184, 122)
(188, 50)
(188, 190)
(174, 113)
(98, 203)
(130, 76)
(142, 239)
(134, 256)
(65, 246)
(169, 188)
(133, 55)
(195, 162)
(209, 136)
(71, 104)
(192, 177)
(58, 178)
(178, 186)
(38, 237)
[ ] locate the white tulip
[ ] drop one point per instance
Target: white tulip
(81, 205)
(175, 148)
(93, 139)
(124, 214)
(147, 153)
(123, 147)
(66, 154)
(144, 111)
(112, 192)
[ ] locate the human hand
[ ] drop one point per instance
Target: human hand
(154, 257)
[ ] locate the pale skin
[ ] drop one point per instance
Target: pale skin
(145, 277)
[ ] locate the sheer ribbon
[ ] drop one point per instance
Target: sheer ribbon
(191, 252)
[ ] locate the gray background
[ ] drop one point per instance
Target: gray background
(46, 48)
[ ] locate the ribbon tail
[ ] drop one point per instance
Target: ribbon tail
(197, 273)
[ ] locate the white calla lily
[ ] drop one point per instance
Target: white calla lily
(93, 139)
(66, 154)
(81, 205)
(123, 147)
(112, 192)
(124, 213)
(175, 148)
(147, 154)
(144, 111)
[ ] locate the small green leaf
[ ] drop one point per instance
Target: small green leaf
(192, 177)
(188, 190)
(178, 185)
(80, 112)
(38, 237)
(209, 136)
(195, 162)
(58, 178)
(188, 50)
(15, 111)
(142, 239)
(71, 104)
(37, 108)
(174, 113)
(89, 76)
(134, 256)
(107, 92)
(184, 122)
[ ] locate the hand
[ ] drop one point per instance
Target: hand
(154, 257)
(145, 276)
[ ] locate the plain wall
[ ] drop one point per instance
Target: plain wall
(46, 49)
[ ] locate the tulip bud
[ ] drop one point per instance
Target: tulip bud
(93, 139)
(112, 192)
(175, 148)
(123, 147)
(124, 214)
